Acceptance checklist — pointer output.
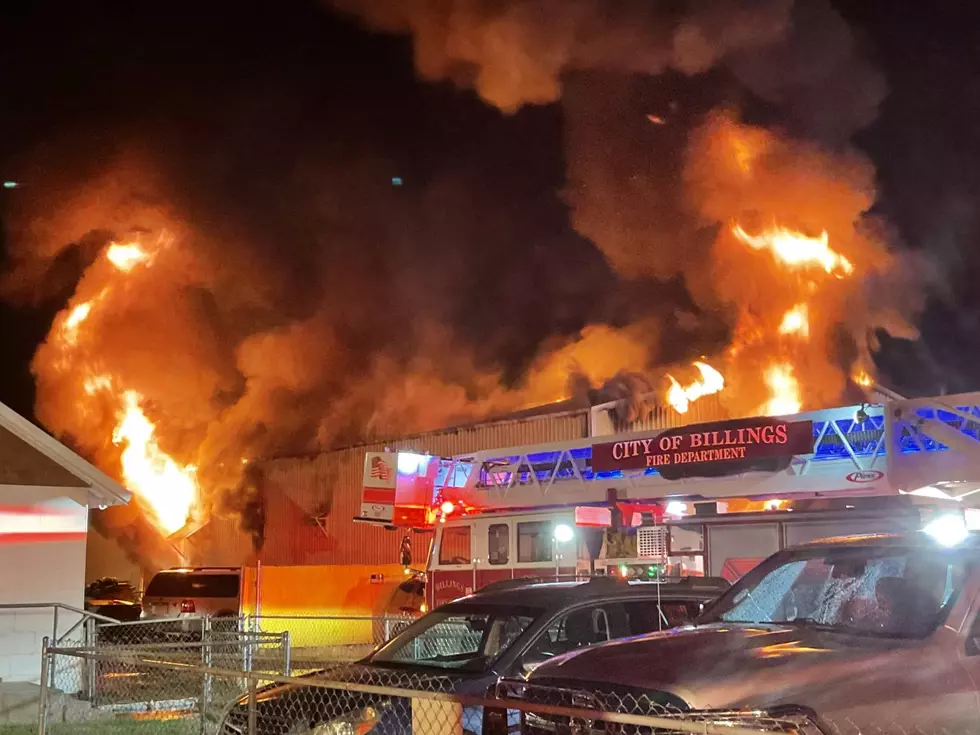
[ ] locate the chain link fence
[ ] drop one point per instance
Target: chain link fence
(349, 699)
(239, 677)
(317, 639)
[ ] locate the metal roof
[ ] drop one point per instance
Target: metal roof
(99, 488)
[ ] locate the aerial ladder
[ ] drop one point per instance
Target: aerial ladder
(926, 446)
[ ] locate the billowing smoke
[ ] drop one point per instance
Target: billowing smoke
(661, 163)
(517, 53)
(298, 294)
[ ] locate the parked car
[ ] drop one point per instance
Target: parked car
(862, 633)
(113, 598)
(506, 629)
(173, 593)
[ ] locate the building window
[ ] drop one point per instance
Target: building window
(534, 541)
(455, 545)
(498, 543)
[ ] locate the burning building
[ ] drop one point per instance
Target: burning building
(712, 254)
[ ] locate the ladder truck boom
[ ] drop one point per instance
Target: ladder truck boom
(900, 446)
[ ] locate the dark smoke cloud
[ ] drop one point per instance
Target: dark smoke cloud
(650, 176)
(299, 299)
(516, 53)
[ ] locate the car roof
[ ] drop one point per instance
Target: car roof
(545, 594)
(913, 539)
(201, 570)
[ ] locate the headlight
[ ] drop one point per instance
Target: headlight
(358, 722)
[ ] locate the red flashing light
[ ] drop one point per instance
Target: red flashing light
(447, 507)
(187, 606)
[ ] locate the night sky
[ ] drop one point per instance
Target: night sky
(245, 98)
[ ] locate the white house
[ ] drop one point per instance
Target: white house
(45, 493)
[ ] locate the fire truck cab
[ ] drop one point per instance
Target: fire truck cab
(708, 499)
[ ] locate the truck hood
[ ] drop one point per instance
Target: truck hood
(725, 665)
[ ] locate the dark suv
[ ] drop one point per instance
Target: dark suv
(506, 629)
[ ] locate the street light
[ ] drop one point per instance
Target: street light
(561, 535)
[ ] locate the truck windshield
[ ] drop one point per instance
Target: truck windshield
(466, 640)
(884, 591)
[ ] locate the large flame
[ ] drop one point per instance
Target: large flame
(784, 390)
(681, 397)
(796, 249)
(779, 337)
(126, 257)
(167, 488)
(796, 321)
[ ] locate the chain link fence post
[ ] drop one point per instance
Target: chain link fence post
(206, 681)
(42, 701)
(251, 706)
(54, 642)
(286, 656)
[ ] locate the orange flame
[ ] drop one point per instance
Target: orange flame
(796, 249)
(681, 397)
(862, 378)
(69, 329)
(168, 488)
(796, 321)
(126, 257)
(784, 390)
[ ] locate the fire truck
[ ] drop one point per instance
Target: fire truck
(701, 499)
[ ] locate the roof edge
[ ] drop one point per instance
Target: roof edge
(106, 490)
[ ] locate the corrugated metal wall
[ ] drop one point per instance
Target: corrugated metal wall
(297, 491)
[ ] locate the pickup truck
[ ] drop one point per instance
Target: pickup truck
(863, 634)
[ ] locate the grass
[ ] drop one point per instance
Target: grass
(118, 726)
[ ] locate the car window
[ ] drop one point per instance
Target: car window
(467, 640)
(181, 584)
(584, 626)
(644, 616)
(534, 541)
(901, 593)
(455, 545)
(408, 596)
(498, 543)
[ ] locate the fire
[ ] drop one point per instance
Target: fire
(743, 154)
(681, 397)
(796, 321)
(126, 257)
(168, 488)
(862, 378)
(69, 330)
(796, 249)
(784, 390)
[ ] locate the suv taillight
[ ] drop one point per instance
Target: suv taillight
(187, 606)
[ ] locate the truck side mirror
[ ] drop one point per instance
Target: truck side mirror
(406, 551)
